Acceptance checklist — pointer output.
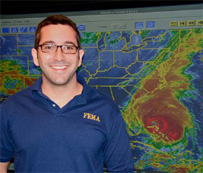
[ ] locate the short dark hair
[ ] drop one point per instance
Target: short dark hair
(54, 20)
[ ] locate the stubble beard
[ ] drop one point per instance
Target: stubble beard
(60, 81)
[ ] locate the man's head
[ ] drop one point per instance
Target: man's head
(54, 20)
(57, 50)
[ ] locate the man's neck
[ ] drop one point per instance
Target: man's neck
(62, 94)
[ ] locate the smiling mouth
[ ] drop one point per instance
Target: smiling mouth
(59, 67)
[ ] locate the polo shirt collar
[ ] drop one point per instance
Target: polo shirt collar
(87, 93)
(37, 85)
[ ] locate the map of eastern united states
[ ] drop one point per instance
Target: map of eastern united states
(155, 77)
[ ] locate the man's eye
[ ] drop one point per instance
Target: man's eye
(48, 47)
(68, 47)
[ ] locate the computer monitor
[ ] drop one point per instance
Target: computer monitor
(148, 60)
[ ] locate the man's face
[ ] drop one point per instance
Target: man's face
(57, 68)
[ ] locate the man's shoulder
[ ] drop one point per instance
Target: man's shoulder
(96, 94)
(92, 93)
(17, 97)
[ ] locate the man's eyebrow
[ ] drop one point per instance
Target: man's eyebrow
(52, 42)
(69, 42)
(48, 42)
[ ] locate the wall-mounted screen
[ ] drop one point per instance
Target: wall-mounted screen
(148, 60)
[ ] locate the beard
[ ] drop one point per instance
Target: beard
(58, 77)
(61, 80)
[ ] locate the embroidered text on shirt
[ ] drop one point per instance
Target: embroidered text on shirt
(91, 117)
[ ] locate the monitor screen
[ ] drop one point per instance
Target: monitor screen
(148, 60)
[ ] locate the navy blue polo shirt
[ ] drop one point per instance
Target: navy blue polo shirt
(84, 136)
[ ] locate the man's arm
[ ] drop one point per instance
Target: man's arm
(117, 154)
(4, 167)
(4, 146)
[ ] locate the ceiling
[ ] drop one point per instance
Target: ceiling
(39, 6)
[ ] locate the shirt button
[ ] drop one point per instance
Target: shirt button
(54, 105)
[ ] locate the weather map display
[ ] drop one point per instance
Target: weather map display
(148, 60)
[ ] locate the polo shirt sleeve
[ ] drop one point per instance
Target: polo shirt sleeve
(118, 153)
(6, 145)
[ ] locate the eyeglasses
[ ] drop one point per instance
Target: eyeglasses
(52, 48)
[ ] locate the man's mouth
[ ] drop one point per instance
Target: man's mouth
(59, 67)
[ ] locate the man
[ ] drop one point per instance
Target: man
(60, 124)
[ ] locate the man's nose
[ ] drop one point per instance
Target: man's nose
(59, 55)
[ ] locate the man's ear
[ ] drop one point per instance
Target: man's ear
(34, 56)
(81, 53)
